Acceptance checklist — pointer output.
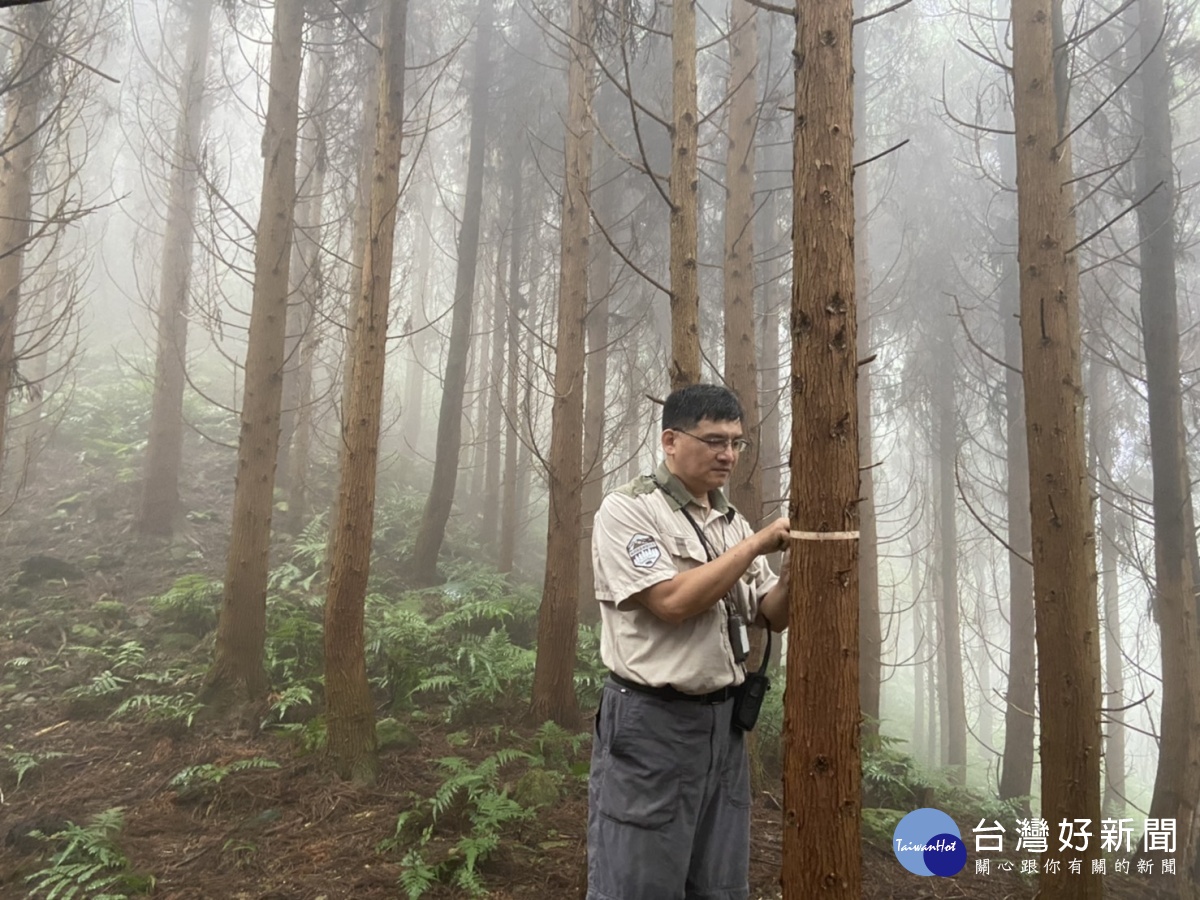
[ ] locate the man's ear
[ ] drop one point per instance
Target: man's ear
(668, 442)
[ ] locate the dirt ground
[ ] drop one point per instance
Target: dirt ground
(293, 832)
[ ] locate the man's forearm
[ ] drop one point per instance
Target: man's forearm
(694, 591)
(774, 606)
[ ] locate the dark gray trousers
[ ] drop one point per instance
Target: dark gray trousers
(668, 801)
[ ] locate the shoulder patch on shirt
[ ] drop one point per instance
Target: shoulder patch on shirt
(643, 551)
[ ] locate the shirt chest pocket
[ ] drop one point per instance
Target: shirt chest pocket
(687, 549)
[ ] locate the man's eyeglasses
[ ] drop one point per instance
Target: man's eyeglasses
(718, 444)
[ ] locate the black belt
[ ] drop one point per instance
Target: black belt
(669, 693)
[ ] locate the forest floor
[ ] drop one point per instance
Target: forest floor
(288, 832)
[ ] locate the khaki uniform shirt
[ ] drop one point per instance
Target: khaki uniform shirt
(641, 537)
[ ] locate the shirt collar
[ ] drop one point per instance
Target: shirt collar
(680, 497)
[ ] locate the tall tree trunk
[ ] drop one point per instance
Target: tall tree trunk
(160, 509)
(685, 126)
(553, 677)
(955, 734)
(595, 409)
(350, 715)
(1177, 781)
(870, 634)
(449, 433)
(1064, 556)
(413, 413)
(494, 388)
(1100, 398)
(20, 140)
(305, 274)
(237, 670)
(512, 440)
(1016, 773)
(822, 773)
(741, 362)
(919, 728)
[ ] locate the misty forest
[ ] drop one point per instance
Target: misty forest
(325, 325)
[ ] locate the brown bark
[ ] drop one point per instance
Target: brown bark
(22, 122)
(595, 408)
(946, 413)
(1177, 781)
(685, 126)
(741, 362)
(349, 712)
(822, 774)
(160, 508)
(305, 273)
(1064, 559)
(553, 677)
(237, 670)
(449, 433)
(1016, 774)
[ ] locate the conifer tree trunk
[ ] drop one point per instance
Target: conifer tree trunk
(822, 771)
(413, 413)
(1177, 781)
(237, 669)
(160, 509)
(596, 412)
(946, 414)
(305, 273)
(553, 677)
(685, 127)
(449, 432)
(350, 714)
(21, 124)
(741, 362)
(508, 497)
(1101, 431)
(1016, 773)
(1064, 560)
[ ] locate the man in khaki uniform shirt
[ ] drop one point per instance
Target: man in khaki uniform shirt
(678, 571)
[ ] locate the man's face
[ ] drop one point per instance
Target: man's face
(702, 457)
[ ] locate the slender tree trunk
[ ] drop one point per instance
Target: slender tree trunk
(685, 126)
(1114, 669)
(493, 414)
(948, 550)
(919, 728)
(741, 362)
(350, 715)
(1063, 532)
(305, 273)
(595, 410)
(160, 508)
(1177, 781)
(413, 414)
(553, 677)
(237, 669)
(1016, 773)
(512, 441)
(449, 433)
(20, 138)
(822, 772)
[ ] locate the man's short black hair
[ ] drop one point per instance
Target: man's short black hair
(688, 405)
